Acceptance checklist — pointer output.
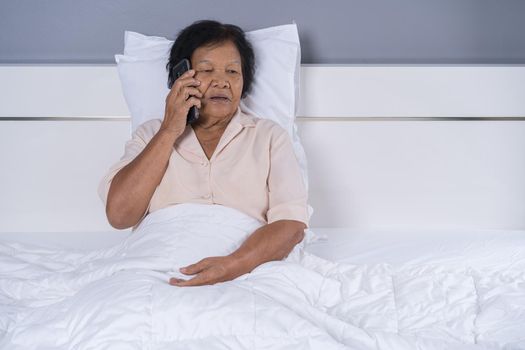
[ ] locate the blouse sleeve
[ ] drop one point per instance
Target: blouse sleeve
(287, 192)
(133, 148)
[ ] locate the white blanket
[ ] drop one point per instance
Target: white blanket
(119, 298)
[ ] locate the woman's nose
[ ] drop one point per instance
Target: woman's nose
(220, 80)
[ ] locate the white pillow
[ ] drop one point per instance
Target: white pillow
(277, 54)
(143, 75)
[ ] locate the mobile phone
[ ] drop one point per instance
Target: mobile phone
(177, 71)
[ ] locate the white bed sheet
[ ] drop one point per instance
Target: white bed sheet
(477, 248)
(353, 246)
(395, 289)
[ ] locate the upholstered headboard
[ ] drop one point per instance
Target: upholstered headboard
(394, 146)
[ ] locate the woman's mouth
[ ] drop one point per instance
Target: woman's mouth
(219, 99)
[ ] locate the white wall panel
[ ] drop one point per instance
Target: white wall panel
(422, 174)
(61, 91)
(50, 173)
(326, 91)
(412, 91)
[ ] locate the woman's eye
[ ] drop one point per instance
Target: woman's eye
(232, 71)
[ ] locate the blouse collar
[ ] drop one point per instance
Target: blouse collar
(188, 140)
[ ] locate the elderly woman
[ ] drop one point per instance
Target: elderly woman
(226, 157)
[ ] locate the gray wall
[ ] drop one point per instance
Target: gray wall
(334, 31)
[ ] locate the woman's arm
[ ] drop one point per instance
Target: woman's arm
(270, 242)
(133, 186)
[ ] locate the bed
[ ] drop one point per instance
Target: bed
(420, 216)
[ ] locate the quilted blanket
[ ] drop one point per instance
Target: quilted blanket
(119, 297)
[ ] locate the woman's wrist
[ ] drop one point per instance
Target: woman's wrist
(172, 133)
(242, 261)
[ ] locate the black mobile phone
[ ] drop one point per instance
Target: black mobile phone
(177, 71)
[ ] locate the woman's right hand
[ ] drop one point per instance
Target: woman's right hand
(182, 96)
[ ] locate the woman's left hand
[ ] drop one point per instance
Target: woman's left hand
(209, 271)
(271, 242)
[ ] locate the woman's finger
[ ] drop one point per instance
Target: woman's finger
(173, 281)
(201, 279)
(193, 101)
(194, 268)
(185, 92)
(188, 73)
(191, 91)
(187, 81)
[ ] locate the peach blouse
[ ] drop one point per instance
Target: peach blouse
(253, 169)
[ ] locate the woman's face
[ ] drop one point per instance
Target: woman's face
(218, 68)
